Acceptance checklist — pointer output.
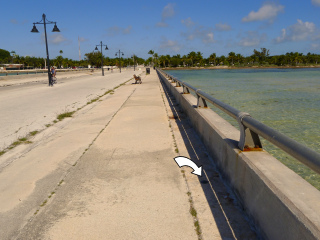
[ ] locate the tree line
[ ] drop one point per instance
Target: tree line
(93, 59)
(258, 58)
(192, 59)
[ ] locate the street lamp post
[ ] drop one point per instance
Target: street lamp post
(134, 64)
(101, 55)
(119, 58)
(44, 21)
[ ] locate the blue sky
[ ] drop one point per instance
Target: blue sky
(167, 27)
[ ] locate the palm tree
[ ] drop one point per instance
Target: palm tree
(232, 57)
(155, 55)
(297, 57)
(212, 58)
(162, 59)
(151, 52)
(168, 59)
(239, 57)
(60, 52)
(13, 54)
(192, 56)
(199, 58)
(184, 58)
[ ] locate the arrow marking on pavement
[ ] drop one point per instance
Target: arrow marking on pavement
(184, 161)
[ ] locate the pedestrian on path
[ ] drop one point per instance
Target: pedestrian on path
(53, 72)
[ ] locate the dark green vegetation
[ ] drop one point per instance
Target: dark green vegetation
(257, 59)
(4, 54)
(260, 58)
(64, 115)
(93, 59)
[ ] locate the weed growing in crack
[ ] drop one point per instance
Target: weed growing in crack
(44, 203)
(64, 115)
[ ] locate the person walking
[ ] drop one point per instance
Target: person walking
(52, 76)
(53, 72)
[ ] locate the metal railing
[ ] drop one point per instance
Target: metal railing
(251, 129)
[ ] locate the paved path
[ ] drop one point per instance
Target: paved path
(108, 173)
(28, 104)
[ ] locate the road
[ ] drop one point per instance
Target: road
(32, 105)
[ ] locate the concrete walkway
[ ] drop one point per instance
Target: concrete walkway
(109, 173)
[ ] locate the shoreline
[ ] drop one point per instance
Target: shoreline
(231, 68)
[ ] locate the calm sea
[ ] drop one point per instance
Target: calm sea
(287, 100)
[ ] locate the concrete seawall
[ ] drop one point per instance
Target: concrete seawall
(281, 203)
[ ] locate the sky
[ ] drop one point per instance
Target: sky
(166, 27)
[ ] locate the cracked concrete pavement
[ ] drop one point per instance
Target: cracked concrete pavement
(108, 173)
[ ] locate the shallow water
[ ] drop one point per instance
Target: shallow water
(287, 100)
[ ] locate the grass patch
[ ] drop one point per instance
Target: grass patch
(193, 211)
(33, 133)
(44, 203)
(2, 152)
(60, 183)
(51, 194)
(62, 116)
(93, 100)
(198, 230)
(16, 143)
(23, 139)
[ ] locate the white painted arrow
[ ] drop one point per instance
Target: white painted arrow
(184, 161)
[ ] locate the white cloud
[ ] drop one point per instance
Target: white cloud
(162, 24)
(55, 39)
(188, 22)
(82, 39)
(252, 39)
(268, 11)
(14, 21)
(127, 30)
(299, 31)
(200, 32)
(315, 46)
(170, 45)
(167, 12)
(223, 27)
(115, 30)
(316, 2)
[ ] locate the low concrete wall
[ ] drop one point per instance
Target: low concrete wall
(281, 203)
(18, 74)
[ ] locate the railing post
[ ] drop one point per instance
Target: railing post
(248, 138)
(201, 101)
(185, 90)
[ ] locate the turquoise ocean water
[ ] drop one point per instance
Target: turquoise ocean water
(287, 100)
